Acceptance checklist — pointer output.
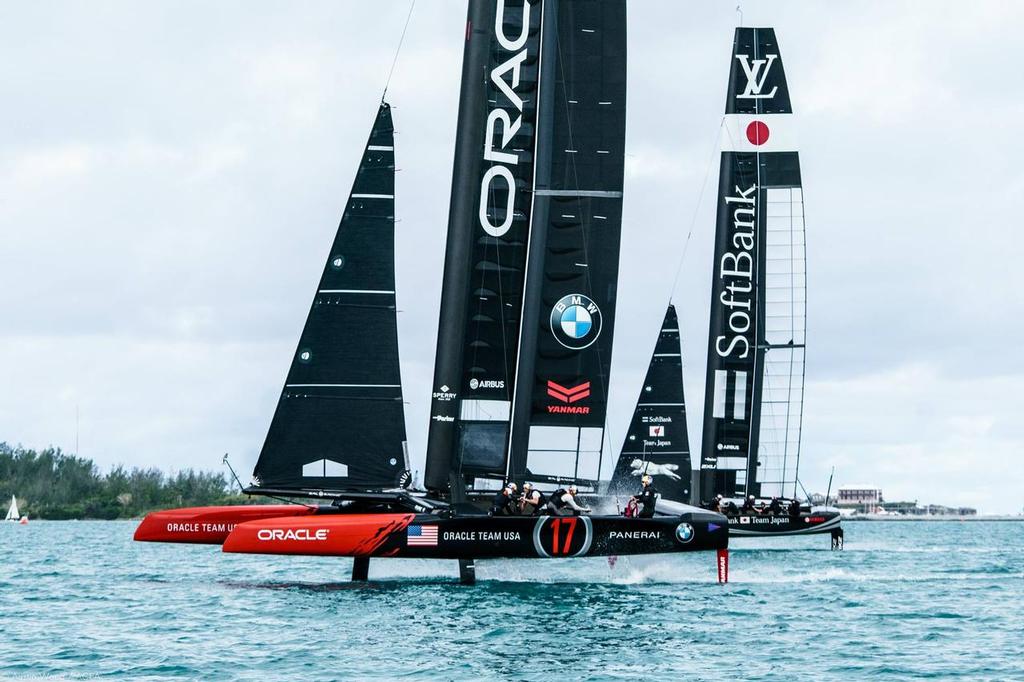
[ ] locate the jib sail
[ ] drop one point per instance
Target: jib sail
(488, 232)
(571, 282)
(755, 376)
(340, 420)
(657, 442)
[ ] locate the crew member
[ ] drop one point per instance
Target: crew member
(748, 506)
(647, 497)
(504, 501)
(563, 503)
(775, 507)
(794, 509)
(531, 501)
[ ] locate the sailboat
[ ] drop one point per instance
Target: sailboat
(525, 330)
(12, 512)
(754, 389)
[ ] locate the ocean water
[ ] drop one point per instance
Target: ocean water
(928, 600)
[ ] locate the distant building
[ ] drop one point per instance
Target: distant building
(866, 499)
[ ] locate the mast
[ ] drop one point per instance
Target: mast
(657, 442)
(340, 421)
(754, 386)
(455, 286)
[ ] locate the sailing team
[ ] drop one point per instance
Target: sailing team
(750, 507)
(565, 501)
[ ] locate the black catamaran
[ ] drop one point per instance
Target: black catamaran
(525, 332)
(753, 408)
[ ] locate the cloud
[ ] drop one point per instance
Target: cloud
(171, 176)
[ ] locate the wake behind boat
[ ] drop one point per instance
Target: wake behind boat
(525, 329)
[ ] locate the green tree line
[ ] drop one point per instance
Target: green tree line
(50, 484)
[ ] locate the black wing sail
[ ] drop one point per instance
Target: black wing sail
(340, 421)
(488, 231)
(572, 275)
(754, 389)
(657, 442)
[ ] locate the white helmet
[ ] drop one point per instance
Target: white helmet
(573, 489)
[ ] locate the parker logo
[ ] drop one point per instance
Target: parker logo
(500, 122)
(568, 396)
(575, 321)
(300, 534)
(756, 71)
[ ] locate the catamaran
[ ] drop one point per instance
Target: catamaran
(524, 343)
(753, 409)
(754, 390)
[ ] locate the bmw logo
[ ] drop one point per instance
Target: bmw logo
(684, 532)
(575, 321)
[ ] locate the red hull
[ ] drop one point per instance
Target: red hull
(341, 535)
(209, 525)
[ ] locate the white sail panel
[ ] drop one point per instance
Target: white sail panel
(785, 323)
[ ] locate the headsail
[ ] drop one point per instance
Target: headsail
(340, 421)
(754, 390)
(657, 442)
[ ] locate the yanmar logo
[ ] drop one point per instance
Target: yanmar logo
(568, 396)
(300, 534)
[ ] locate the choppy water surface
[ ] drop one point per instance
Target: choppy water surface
(905, 600)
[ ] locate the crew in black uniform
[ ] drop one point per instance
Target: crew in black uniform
(563, 503)
(647, 497)
(531, 501)
(504, 502)
(748, 506)
(776, 506)
(794, 509)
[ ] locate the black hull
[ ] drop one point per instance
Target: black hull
(428, 536)
(764, 525)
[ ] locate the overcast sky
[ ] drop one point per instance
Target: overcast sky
(171, 175)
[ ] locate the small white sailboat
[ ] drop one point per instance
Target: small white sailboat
(12, 512)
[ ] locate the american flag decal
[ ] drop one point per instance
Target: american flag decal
(421, 536)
